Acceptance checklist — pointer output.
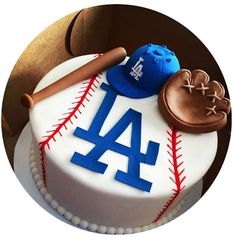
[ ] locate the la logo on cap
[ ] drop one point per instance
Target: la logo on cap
(145, 71)
(137, 69)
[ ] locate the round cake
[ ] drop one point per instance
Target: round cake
(109, 160)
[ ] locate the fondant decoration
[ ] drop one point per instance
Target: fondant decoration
(145, 72)
(190, 102)
(86, 71)
(108, 142)
(176, 168)
(182, 160)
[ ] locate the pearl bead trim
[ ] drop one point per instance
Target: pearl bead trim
(77, 221)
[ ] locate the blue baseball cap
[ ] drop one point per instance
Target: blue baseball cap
(145, 72)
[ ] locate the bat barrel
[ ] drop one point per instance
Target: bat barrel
(86, 71)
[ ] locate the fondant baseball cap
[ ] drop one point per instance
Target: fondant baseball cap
(145, 72)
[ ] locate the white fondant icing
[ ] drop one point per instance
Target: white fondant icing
(43, 191)
(37, 177)
(68, 215)
(120, 230)
(61, 211)
(101, 228)
(76, 220)
(39, 183)
(92, 227)
(48, 198)
(84, 224)
(100, 199)
(111, 230)
(54, 204)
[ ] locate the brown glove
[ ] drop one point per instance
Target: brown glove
(191, 103)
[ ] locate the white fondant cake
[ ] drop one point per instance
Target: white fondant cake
(91, 188)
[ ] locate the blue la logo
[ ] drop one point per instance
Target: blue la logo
(108, 142)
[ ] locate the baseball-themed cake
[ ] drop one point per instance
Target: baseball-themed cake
(118, 142)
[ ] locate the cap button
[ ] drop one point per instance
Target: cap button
(156, 60)
(146, 52)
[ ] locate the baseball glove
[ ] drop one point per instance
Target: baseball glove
(190, 102)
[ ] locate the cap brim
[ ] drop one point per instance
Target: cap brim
(117, 80)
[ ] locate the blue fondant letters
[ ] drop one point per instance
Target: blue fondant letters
(108, 142)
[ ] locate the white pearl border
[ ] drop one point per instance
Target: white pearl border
(77, 221)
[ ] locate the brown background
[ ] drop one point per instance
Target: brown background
(96, 30)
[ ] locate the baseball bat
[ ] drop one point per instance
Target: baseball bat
(86, 71)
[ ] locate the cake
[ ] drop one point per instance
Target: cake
(105, 157)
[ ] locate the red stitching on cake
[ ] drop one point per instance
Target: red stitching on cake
(175, 168)
(87, 91)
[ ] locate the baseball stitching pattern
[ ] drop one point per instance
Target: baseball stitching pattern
(176, 168)
(86, 91)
